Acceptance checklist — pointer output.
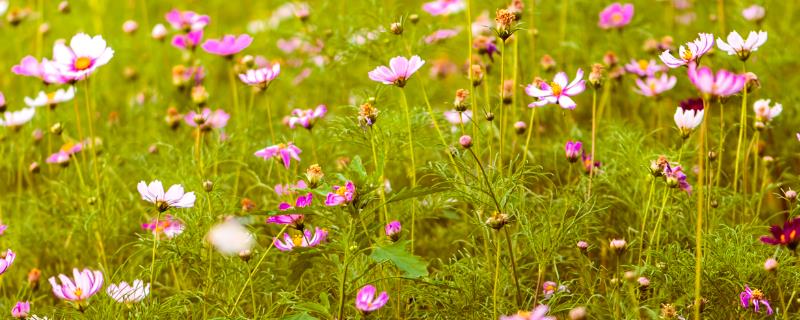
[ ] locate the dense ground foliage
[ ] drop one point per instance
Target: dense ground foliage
(399, 159)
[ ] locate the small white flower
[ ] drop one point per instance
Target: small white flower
(764, 112)
(52, 98)
(125, 293)
(173, 198)
(741, 47)
(16, 119)
(230, 237)
(687, 120)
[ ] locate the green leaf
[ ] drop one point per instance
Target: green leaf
(313, 307)
(396, 253)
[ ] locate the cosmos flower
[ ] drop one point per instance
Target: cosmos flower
(366, 300)
(228, 45)
(723, 84)
(549, 288)
(558, 92)
(290, 189)
(128, 294)
(643, 68)
(173, 198)
(63, 155)
(688, 116)
(787, 236)
(393, 230)
(756, 297)
(588, 166)
(297, 221)
(207, 120)
(306, 118)
(455, 118)
(654, 86)
(82, 57)
(765, 113)
(159, 32)
(440, 35)
(47, 70)
(538, 313)
(676, 178)
(754, 13)
(16, 119)
(261, 78)
(3, 228)
(5, 262)
(341, 195)
(187, 20)
(167, 225)
(693, 51)
(21, 309)
(51, 99)
(443, 7)
(187, 41)
(741, 47)
(230, 237)
(301, 202)
(399, 71)
(79, 289)
(573, 150)
(615, 16)
(307, 239)
(284, 151)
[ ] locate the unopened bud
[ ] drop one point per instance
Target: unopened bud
(396, 28)
(314, 175)
(208, 185)
(465, 141)
(57, 128)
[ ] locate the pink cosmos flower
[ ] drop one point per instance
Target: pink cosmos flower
(295, 220)
(306, 118)
(63, 155)
(128, 293)
(557, 92)
(21, 309)
(307, 239)
(187, 20)
(443, 7)
(207, 119)
(341, 195)
(690, 53)
(756, 297)
(441, 34)
(724, 84)
(399, 71)
(47, 70)
(6, 261)
(393, 230)
(290, 189)
(676, 178)
(616, 15)
(455, 117)
(187, 41)
(366, 300)
(79, 289)
(643, 68)
(538, 313)
(654, 86)
(302, 201)
(741, 47)
(754, 13)
(3, 228)
(228, 45)
(173, 198)
(261, 78)
(167, 225)
(83, 56)
(286, 152)
(289, 45)
(572, 150)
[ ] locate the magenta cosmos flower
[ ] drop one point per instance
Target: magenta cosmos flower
(261, 78)
(724, 84)
(79, 289)
(207, 119)
(21, 310)
(366, 300)
(63, 155)
(83, 56)
(173, 198)
(296, 221)
(167, 225)
(341, 195)
(573, 150)
(538, 313)
(228, 45)
(301, 202)
(399, 71)
(689, 53)
(440, 35)
(393, 230)
(756, 297)
(47, 70)
(284, 151)
(676, 178)
(616, 15)
(307, 239)
(443, 7)
(557, 92)
(187, 20)
(654, 86)
(6, 261)
(187, 41)
(788, 236)
(306, 118)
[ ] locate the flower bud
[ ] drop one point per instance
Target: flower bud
(643, 282)
(37, 135)
(497, 220)
(208, 185)
(314, 175)
(520, 127)
(130, 26)
(790, 195)
(489, 116)
(33, 277)
(414, 18)
(504, 20)
(508, 91)
(245, 255)
(63, 7)
(547, 62)
(610, 59)
(159, 32)
(477, 74)
(34, 167)
(596, 76)
(44, 28)
(629, 275)
(248, 205)
(199, 95)
(752, 82)
(393, 230)
(367, 114)
(771, 264)
(465, 141)
(152, 149)
(460, 102)
(618, 245)
(668, 311)
(577, 313)
(582, 245)
(396, 28)
(57, 128)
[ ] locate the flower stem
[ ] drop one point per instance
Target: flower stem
(413, 163)
(438, 130)
(513, 266)
(486, 178)
(496, 274)
(644, 219)
(528, 138)
(698, 267)
(252, 273)
(501, 84)
(594, 135)
(90, 112)
(155, 243)
(742, 132)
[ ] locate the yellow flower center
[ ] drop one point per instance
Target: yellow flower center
(78, 292)
(67, 146)
(687, 54)
(297, 240)
(83, 63)
(652, 86)
(281, 146)
(550, 288)
(341, 191)
(556, 88)
(616, 17)
(643, 64)
(524, 314)
(51, 96)
(757, 295)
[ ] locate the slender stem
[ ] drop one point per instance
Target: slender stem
(657, 230)
(528, 138)
(413, 163)
(742, 132)
(379, 173)
(698, 269)
(436, 126)
(234, 90)
(721, 144)
(343, 281)
(756, 162)
(252, 273)
(269, 120)
(90, 112)
(513, 266)
(155, 243)
(644, 219)
(503, 110)
(496, 274)
(594, 135)
(80, 140)
(488, 184)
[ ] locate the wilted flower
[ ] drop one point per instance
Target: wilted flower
(366, 300)
(460, 102)
(399, 71)
(367, 115)
(596, 76)
(573, 150)
(756, 297)
(393, 230)
(504, 23)
(230, 237)
(284, 151)
(21, 309)
(787, 236)
(443, 7)
(306, 118)
(83, 56)
(654, 86)
(741, 47)
(261, 78)
(588, 165)
(314, 175)
(538, 313)
(341, 195)
(557, 92)
(616, 15)
(307, 239)
(724, 84)
(676, 178)
(187, 20)
(643, 68)
(6, 261)
(167, 225)
(228, 46)
(173, 198)
(16, 119)
(754, 13)
(128, 294)
(690, 53)
(547, 62)
(80, 288)
(51, 99)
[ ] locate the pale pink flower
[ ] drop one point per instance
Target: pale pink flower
(284, 151)
(558, 92)
(538, 313)
(290, 189)
(741, 47)
(692, 51)
(440, 35)
(616, 15)
(366, 300)
(228, 45)
(306, 118)
(51, 98)
(654, 86)
(82, 57)
(399, 71)
(130, 26)
(307, 239)
(643, 68)
(47, 70)
(5, 262)
(159, 32)
(15, 119)
(723, 84)
(187, 20)
(443, 7)
(261, 78)
(173, 198)
(216, 119)
(754, 13)
(168, 225)
(764, 112)
(79, 289)
(231, 237)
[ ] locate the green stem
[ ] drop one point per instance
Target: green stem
(644, 219)
(698, 269)
(413, 162)
(252, 273)
(513, 266)
(742, 131)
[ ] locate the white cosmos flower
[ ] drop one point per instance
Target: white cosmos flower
(15, 119)
(125, 293)
(52, 98)
(83, 55)
(230, 237)
(764, 112)
(3, 7)
(173, 198)
(687, 120)
(741, 47)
